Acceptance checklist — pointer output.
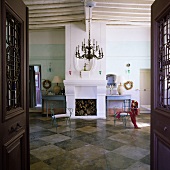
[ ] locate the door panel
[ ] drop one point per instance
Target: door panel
(12, 149)
(145, 92)
(145, 85)
(14, 117)
(160, 83)
(32, 88)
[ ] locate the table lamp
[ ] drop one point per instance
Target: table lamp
(56, 88)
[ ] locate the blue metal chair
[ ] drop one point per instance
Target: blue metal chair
(56, 117)
(123, 114)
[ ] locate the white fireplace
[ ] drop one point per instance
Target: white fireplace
(86, 89)
(81, 83)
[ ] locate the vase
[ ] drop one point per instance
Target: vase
(120, 89)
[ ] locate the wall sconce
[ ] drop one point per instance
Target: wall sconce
(128, 68)
(49, 68)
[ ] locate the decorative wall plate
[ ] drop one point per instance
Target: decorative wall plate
(46, 84)
(128, 85)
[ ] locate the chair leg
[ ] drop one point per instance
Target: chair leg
(52, 122)
(69, 122)
(124, 120)
(114, 120)
(56, 125)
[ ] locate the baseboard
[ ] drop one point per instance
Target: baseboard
(145, 111)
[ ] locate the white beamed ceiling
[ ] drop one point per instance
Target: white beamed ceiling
(57, 13)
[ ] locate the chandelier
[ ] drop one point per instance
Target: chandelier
(89, 50)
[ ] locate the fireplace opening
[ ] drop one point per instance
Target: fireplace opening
(85, 107)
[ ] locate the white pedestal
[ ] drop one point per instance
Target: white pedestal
(85, 75)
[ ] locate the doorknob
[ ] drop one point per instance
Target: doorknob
(165, 128)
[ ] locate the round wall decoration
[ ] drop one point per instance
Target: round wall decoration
(128, 85)
(46, 84)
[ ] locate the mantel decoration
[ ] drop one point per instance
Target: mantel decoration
(90, 49)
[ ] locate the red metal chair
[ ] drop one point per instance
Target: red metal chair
(128, 110)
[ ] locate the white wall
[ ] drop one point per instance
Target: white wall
(128, 45)
(75, 35)
(47, 48)
(121, 45)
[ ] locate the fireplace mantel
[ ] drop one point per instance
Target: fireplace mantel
(86, 89)
(85, 82)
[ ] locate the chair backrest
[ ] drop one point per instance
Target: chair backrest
(69, 111)
(126, 106)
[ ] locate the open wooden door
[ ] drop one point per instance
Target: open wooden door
(14, 120)
(160, 84)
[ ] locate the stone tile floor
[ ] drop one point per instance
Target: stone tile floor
(94, 144)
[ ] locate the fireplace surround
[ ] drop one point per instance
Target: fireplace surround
(86, 89)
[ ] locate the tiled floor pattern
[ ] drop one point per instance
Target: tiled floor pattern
(89, 144)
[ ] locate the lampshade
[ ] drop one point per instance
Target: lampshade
(57, 88)
(57, 79)
(120, 79)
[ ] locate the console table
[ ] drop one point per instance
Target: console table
(123, 98)
(48, 98)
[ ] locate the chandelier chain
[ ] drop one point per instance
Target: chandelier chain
(91, 48)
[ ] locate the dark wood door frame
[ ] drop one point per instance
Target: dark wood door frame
(14, 111)
(160, 70)
(37, 87)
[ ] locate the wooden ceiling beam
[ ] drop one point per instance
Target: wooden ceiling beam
(124, 1)
(55, 6)
(130, 23)
(39, 2)
(50, 14)
(41, 11)
(54, 22)
(50, 25)
(58, 18)
(114, 18)
(110, 10)
(123, 14)
(125, 6)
